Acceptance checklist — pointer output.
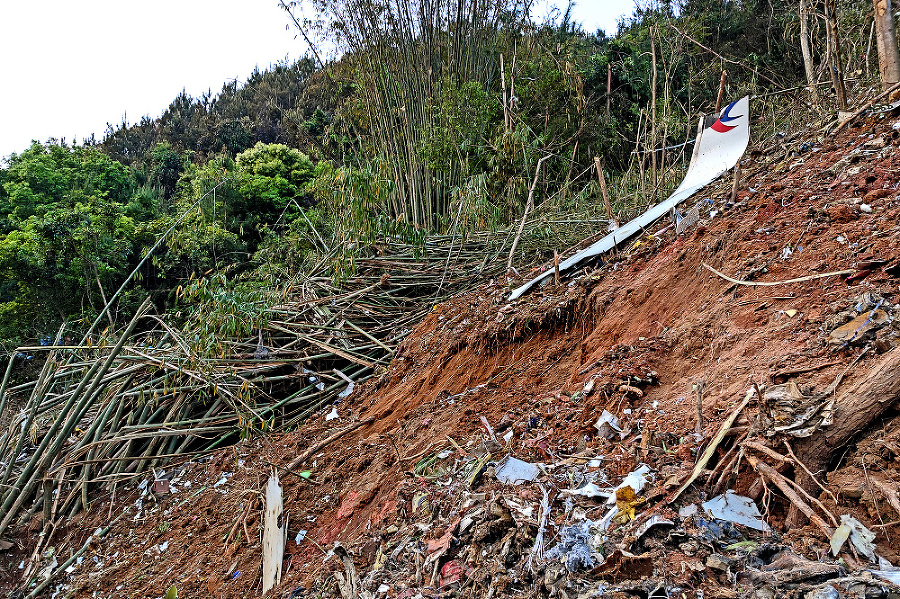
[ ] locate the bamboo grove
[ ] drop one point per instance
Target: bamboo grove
(120, 404)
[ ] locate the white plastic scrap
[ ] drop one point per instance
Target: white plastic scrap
(588, 490)
(223, 479)
(513, 471)
(736, 509)
(859, 535)
(346, 392)
(332, 414)
(892, 576)
(636, 480)
(607, 424)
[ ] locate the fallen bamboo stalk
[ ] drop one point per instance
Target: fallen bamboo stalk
(141, 403)
(773, 283)
(46, 452)
(713, 445)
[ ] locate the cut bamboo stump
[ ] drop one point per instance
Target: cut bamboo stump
(273, 535)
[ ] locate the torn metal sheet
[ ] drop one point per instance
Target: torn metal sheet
(892, 576)
(655, 520)
(719, 146)
(513, 471)
(737, 509)
(589, 490)
(859, 535)
(796, 414)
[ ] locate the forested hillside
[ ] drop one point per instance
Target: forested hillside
(428, 122)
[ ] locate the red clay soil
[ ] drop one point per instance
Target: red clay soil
(646, 327)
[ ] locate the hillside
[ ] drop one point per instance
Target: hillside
(412, 490)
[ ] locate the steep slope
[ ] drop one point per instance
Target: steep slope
(651, 336)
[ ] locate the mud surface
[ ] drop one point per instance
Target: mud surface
(414, 496)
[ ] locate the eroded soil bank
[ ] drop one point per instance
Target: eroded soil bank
(652, 336)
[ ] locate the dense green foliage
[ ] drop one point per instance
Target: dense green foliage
(230, 122)
(404, 135)
(69, 233)
(76, 222)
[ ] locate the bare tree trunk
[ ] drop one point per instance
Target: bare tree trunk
(807, 53)
(888, 57)
(835, 67)
(608, 87)
(528, 206)
(721, 92)
(653, 108)
(601, 177)
(505, 101)
(856, 408)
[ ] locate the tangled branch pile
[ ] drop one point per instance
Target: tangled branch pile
(107, 411)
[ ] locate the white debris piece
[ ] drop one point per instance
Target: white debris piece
(859, 535)
(588, 490)
(736, 509)
(686, 511)
(274, 531)
(512, 471)
(607, 424)
(636, 480)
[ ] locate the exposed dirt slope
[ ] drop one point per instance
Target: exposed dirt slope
(633, 336)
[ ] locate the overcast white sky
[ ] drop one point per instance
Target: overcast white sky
(67, 68)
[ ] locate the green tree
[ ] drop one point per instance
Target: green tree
(68, 237)
(271, 178)
(64, 259)
(166, 166)
(46, 176)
